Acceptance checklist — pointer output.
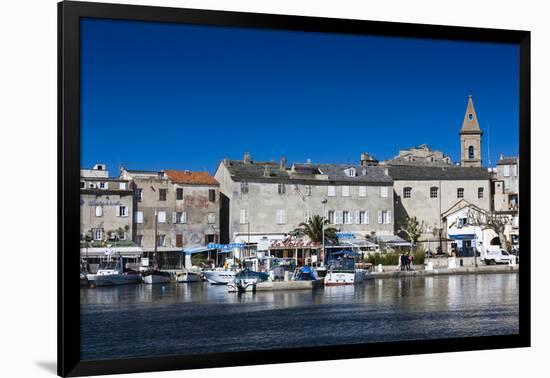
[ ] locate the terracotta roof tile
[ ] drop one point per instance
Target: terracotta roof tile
(193, 178)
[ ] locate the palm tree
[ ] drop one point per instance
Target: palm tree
(313, 228)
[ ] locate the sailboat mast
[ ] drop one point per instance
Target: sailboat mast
(156, 241)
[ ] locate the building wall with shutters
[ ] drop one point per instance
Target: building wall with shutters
(264, 204)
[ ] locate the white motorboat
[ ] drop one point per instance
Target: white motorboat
(246, 280)
(113, 273)
(219, 277)
(188, 276)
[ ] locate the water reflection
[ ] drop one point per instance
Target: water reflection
(201, 318)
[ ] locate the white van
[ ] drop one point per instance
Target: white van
(494, 254)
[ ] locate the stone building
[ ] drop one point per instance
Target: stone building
(265, 201)
(106, 217)
(186, 207)
(427, 184)
(506, 195)
(106, 206)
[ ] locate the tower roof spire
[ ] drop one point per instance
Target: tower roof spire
(470, 124)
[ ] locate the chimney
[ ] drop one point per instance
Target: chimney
(367, 159)
(501, 156)
(246, 158)
(282, 165)
(386, 171)
(266, 171)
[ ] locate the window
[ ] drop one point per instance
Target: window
(331, 191)
(339, 217)
(161, 217)
(362, 191)
(179, 217)
(281, 216)
(384, 191)
(122, 211)
(462, 222)
(138, 194)
(363, 217)
(281, 188)
(139, 216)
(122, 185)
(330, 217)
(506, 170)
(82, 185)
(139, 240)
(460, 193)
(515, 170)
(244, 187)
(471, 152)
(91, 185)
(307, 215)
(97, 233)
(179, 240)
(161, 239)
(384, 217)
(103, 185)
(212, 195)
(480, 193)
(350, 172)
(433, 192)
(162, 194)
(243, 216)
(346, 217)
(179, 194)
(345, 191)
(98, 211)
(211, 218)
(307, 190)
(407, 192)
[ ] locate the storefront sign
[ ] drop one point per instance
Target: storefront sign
(94, 203)
(345, 235)
(225, 247)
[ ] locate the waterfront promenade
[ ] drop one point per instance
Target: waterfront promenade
(390, 272)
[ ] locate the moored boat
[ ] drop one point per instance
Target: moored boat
(155, 277)
(112, 273)
(219, 277)
(343, 272)
(246, 280)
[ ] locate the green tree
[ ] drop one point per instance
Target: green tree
(313, 228)
(412, 229)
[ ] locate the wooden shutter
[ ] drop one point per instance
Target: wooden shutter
(179, 240)
(174, 217)
(357, 220)
(184, 217)
(388, 218)
(367, 220)
(379, 216)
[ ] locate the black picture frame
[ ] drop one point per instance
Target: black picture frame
(69, 14)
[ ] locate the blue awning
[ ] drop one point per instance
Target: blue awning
(462, 236)
(191, 251)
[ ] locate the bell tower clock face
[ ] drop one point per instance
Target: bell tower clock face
(470, 116)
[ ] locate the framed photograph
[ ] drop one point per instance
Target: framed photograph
(260, 189)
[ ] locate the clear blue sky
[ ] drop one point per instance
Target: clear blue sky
(171, 96)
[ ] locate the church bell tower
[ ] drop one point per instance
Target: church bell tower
(470, 138)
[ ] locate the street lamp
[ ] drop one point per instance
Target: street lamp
(324, 202)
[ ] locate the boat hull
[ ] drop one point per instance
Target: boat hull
(98, 280)
(188, 277)
(152, 279)
(345, 278)
(219, 277)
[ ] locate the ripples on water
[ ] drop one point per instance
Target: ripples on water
(154, 320)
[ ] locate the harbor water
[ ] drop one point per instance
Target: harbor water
(156, 320)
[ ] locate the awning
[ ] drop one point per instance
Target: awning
(131, 252)
(462, 236)
(192, 251)
(393, 240)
